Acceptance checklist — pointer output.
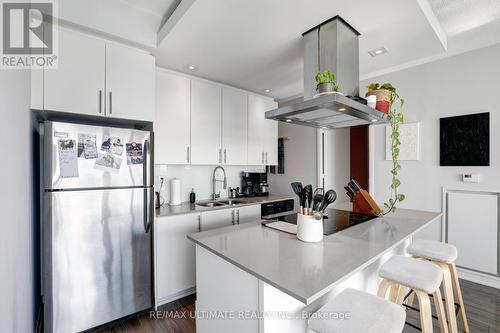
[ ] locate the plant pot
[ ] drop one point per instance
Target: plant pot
(383, 99)
(325, 87)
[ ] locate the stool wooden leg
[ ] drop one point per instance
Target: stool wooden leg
(402, 293)
(411, 299)
(458, 296)
(425, 311)
(383, 287)
(393, 295)
(438, 302)
(449, 299)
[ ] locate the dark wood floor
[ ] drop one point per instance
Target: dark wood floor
(482, 305)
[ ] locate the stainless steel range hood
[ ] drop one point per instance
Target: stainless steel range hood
(332, 45)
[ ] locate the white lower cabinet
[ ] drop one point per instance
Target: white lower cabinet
(248, 214)
(175, 257)
(217, 219)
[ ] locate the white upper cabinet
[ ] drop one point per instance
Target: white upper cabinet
(206, 123)
(98, 78)
(173, 118)
(130, 83)
(262, 133)
(234, 127)
(77, 85)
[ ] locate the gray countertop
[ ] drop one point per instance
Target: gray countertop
(188, 208)
(306, 271)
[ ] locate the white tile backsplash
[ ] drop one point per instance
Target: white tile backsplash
(198, 177)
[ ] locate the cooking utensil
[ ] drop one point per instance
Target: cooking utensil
(308, 192)
(297, 188)
(317, 198)
(329, 197)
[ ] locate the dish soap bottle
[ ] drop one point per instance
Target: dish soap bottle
(192, 196)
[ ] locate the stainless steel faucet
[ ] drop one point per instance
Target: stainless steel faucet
(215, 180)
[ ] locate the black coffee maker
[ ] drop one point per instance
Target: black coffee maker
(254, 184)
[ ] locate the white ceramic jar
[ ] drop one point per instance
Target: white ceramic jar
(309, 229)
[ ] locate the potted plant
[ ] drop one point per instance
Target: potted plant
(395, 118)
(326, 82)
(383, 93)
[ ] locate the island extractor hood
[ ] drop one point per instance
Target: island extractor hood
(332, 45)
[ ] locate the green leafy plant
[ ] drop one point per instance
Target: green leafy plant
(327, 76)
(395, 118)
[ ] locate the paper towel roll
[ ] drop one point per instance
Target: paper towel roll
(175, 192)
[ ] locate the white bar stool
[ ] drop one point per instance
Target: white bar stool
(444, 255)
(367, 314)
(423, 278)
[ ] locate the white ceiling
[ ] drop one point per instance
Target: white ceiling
(257, 44)
(155, 7)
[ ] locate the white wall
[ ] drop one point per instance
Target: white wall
(300, 159)
(16, 248)
(467, 83)
(338, 162)
(198, 177)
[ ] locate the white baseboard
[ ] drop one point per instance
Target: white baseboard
(176, 296)
(476, 277)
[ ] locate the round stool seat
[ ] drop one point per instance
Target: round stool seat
(412, 273)
(367, 314)
(433, 250)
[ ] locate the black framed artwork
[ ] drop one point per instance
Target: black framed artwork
(465, 140)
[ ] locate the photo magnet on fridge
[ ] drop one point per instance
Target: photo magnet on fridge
(134, 153)
(112, 145)
(68, 163)
(87, 147)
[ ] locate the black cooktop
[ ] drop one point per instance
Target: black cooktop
(337, 220)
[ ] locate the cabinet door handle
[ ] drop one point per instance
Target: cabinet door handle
(225, 155)
(199, 223)
(232, 216)
(110, 102)
(238, 216)
(187, 153)
(220, 155)
(266, 157)
(262, 157)
(100, 101)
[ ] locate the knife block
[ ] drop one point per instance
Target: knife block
(364, 203)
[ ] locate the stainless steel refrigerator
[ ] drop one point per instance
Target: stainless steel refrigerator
(97, 218)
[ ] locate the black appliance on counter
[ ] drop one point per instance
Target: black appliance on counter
(335, 220)
(254, 184)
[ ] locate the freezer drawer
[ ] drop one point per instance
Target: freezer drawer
(97, 257)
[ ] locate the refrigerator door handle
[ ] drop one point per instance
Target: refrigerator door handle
(148, 199)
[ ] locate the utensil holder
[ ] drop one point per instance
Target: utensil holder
(309, 229)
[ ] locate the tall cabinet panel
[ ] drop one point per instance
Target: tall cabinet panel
(473, 229)
(172, 123)
(262, 133)
(205, 123)
(234, 127)
(130, 83)
(77, 85)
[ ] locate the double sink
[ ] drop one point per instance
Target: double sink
(220, 203)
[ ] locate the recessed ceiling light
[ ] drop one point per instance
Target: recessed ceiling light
(267, 90)
(378, 51)
(288, 120)
(342, 109)
(192, 68)
(374, 120)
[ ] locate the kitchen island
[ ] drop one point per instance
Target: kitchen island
(251, 278)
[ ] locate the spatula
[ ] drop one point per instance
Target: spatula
(308, 192)
(297, 189)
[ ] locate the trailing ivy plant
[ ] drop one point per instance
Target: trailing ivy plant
(395, 118)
